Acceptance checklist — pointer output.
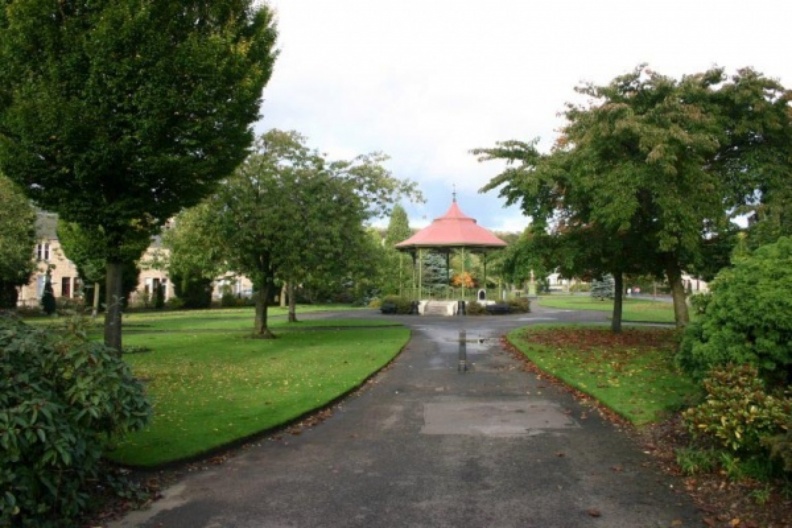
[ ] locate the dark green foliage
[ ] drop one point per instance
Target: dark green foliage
(48, 303)
(17, 238)
(117, 114)
(748, 319)
(195, 291)
(649, 172)
(159, 296)
(780, 446)
(228, 300)
(699, 302)
(737, 412)
(393, 304)
(62, 399)
(497, 309)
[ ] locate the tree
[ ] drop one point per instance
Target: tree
(398, 268)
(194, 259)
(288, 214)
(117, 114)
(85, 248)
(659, 164)
(17, 239)
(48, 303)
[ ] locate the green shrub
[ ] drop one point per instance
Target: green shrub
(699, 302)
(692, 460)
(396, 304)
(580, 287)
(474, 308)
(62, 399)
(780, 446)
(737, 413)
(228, 300)
(375, 302)
(748, 319)
(520, 305)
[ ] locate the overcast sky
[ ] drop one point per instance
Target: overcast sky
(425, 81)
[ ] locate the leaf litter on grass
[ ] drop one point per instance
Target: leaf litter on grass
(631, 372)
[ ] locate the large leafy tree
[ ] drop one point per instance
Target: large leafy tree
(17, 238)
(288, 214)
(658, 166)
(118, 113)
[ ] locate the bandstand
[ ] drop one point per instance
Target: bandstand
(452, 231)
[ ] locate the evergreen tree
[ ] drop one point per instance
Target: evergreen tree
(603, 289)
(48, 303)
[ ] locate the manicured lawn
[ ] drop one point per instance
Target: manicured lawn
(631, 373)
(638, 310)
(212, 384)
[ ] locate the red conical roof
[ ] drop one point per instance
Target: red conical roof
(452, 230)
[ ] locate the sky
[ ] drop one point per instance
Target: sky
(426, 81)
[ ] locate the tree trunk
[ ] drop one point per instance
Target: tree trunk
(674, 276)
(95, 309)
(283, 296)
(114, 299)
(262, 297)
(292, 304)
(618, 305)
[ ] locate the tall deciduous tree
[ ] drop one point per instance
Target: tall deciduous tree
(118, 113)
(290, 215)
(17, 238)
(659, 165)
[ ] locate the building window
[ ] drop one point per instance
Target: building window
(66, 290)
(43, 251)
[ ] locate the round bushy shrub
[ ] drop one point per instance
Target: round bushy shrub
(393, 304)
(748, 319)
(520, 305)
(737, 413)
(62, 399)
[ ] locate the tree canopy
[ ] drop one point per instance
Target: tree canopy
(117, 114)
(17, 238)
(651, 170)
(291, 215)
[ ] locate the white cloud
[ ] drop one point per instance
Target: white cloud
(426, 81)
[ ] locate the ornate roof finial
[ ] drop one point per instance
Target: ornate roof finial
(453, 194)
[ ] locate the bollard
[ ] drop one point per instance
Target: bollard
(463, 364)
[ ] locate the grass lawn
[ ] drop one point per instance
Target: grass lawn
(638, 310)
(212, 384)
(631, 373)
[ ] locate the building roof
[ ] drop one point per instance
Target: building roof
(452, 230)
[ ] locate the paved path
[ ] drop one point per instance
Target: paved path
(428, 446)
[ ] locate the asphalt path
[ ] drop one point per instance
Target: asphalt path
(429, 444)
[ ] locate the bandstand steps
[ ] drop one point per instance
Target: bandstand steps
(439, 308)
